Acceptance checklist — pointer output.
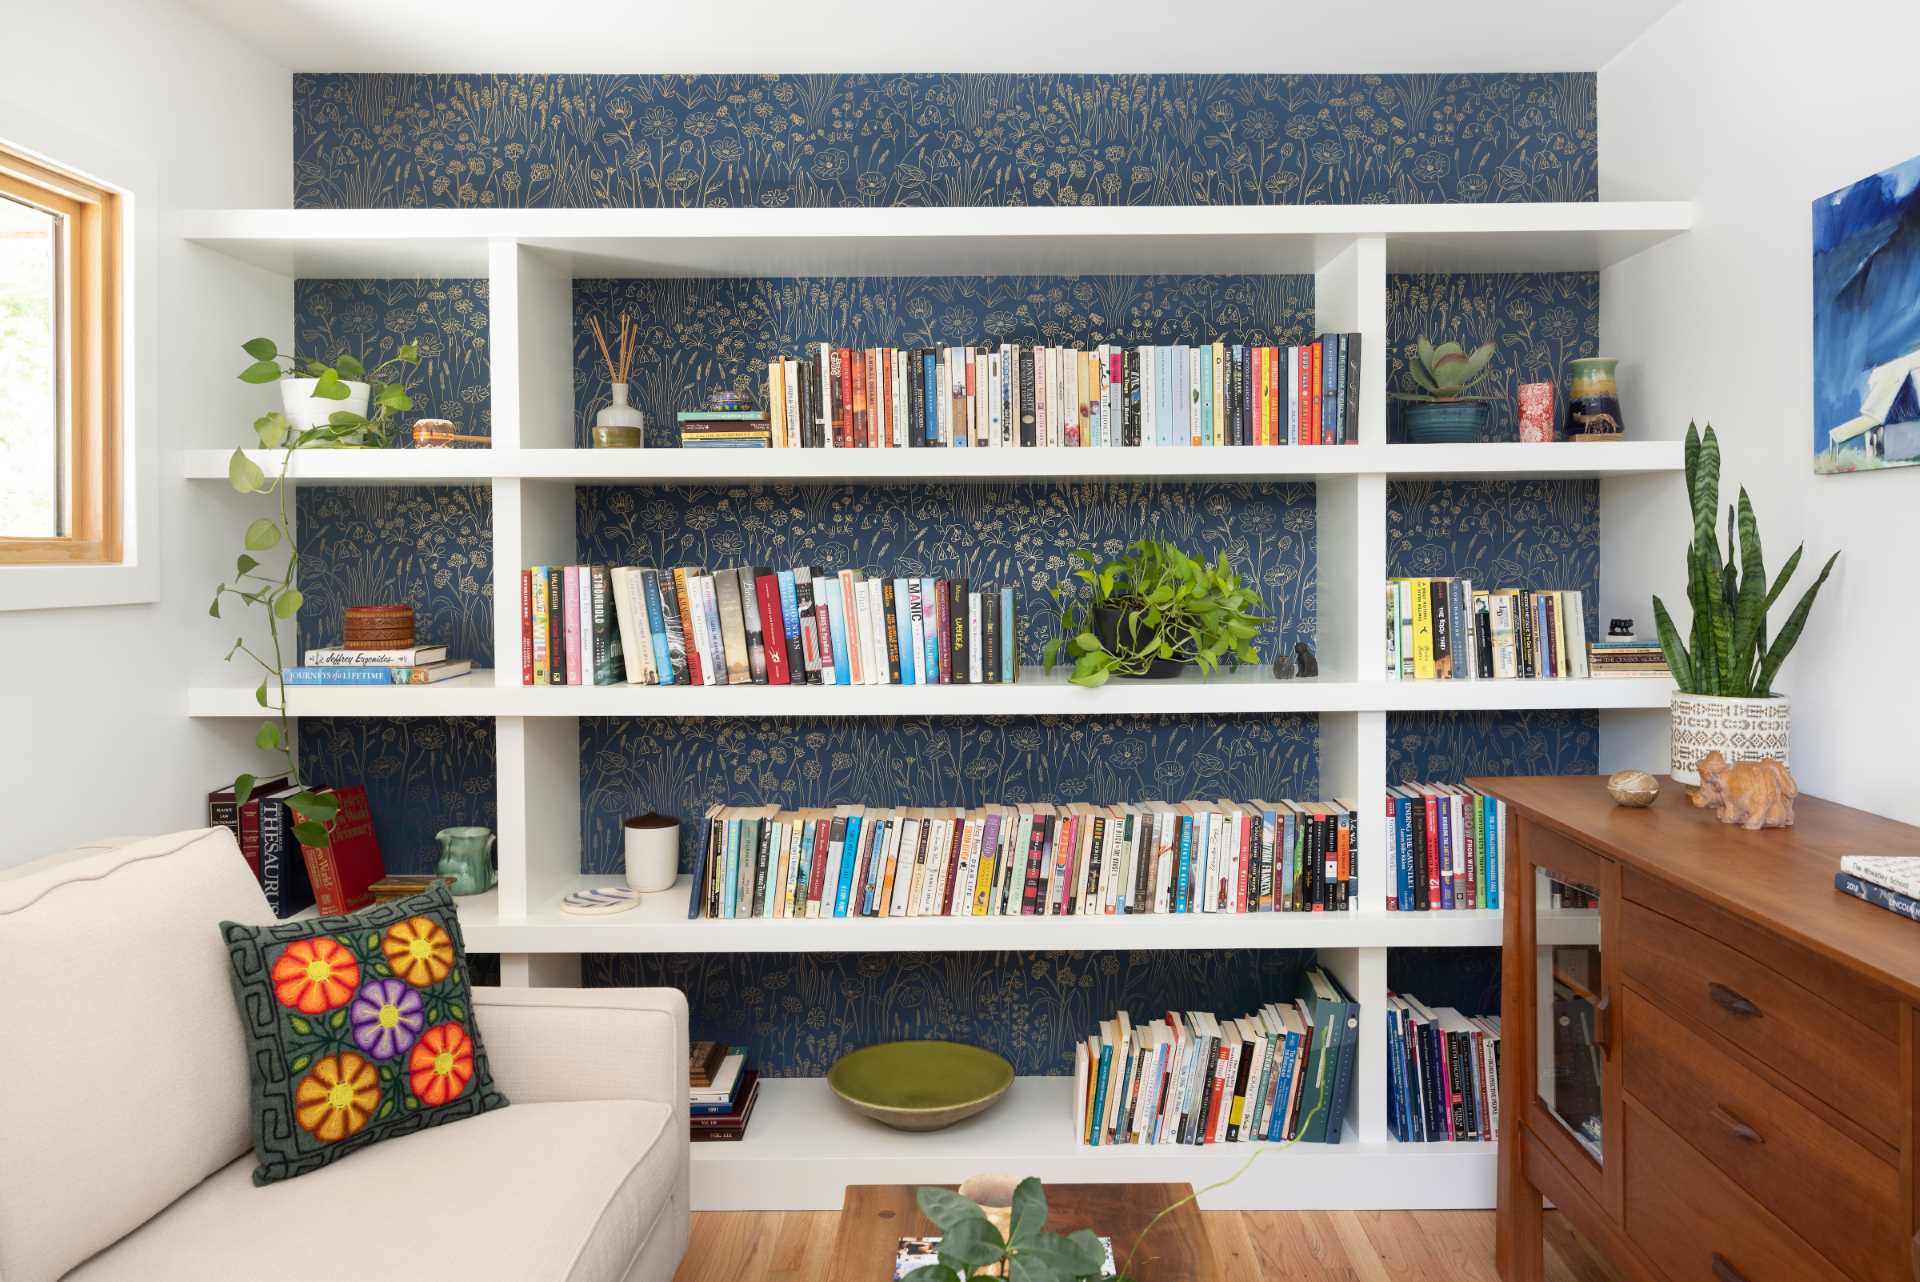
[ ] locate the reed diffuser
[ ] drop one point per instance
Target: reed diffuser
(618, 425)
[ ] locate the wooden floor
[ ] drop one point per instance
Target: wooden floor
(1251, 1246)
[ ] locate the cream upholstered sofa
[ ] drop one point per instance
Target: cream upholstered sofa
(124, 1144)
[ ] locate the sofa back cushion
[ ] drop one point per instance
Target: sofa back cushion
(124, 1077)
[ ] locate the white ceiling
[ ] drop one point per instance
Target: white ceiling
(813, 36)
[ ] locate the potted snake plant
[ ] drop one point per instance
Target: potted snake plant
(1725, 702)
(1441, 412)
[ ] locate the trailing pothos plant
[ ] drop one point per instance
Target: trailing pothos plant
(1730, 655)
(972, 1248)
(271, 589)
(1170, 606)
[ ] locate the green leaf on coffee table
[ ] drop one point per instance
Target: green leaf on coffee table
(945, 1207)
(972, 1242)
(1029, 1215)
(935, 1272)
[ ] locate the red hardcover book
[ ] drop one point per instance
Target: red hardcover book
(886, 398)
(526, 627)
(1217, 1083)
(843, 397)
(953, 866)
(859, 398)
(342, 870)
(817, 866)
(773, 627)
(945, 620)
(1246, 865)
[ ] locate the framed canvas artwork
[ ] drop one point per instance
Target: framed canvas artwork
(1866, 323)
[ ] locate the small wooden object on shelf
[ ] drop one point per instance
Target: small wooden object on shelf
(1633, 789)
(429, 433)
(377, 627)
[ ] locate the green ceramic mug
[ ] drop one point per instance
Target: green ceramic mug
(466, 855)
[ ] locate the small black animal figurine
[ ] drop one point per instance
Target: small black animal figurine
(1304, 661)
(1620, 628)
(1282, 667)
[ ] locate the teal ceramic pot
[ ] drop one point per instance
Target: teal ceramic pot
(466, 855)
(1445, 422)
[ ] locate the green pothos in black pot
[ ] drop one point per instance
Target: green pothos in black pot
(1150, 612)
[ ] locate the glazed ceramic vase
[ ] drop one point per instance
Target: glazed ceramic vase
(466, 855)
(1737, 729)
(1535, 416)
(1593, 400)
(1446, 422)
(618, 425)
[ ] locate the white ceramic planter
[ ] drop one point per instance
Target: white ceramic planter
(1738, 729)
(304, 410)
(652, 845)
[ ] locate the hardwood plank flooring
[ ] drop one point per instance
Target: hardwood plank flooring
(1249, 1246)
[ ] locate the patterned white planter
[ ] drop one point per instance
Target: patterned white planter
(1738, 729)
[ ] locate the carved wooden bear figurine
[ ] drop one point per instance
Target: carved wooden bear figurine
(1753, 794)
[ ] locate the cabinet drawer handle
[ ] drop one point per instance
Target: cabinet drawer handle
(1732, 1002)
(1735, 1127)
(1724, 1271)
(1603, 1025)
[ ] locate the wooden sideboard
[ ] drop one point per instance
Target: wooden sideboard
(1709, 1053)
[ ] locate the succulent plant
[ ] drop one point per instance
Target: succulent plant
(1444, 373)
(1729, 653)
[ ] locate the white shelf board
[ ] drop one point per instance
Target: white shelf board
(803, 1146)
(1130, 240)
(1248, 690)
(660, 925)
(1493, 461)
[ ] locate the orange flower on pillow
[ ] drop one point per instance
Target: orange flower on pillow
(419, 951)
(441, 1064)
(315, 975)
(336, 1097)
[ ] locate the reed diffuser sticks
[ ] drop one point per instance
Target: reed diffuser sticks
(617, 369)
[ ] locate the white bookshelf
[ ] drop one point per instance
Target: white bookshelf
(802, 1144)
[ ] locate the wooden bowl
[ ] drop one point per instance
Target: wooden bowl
(920, 1085)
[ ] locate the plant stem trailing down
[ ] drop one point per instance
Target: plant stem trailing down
(1727, 653)
(1172, 606)
(273, 591)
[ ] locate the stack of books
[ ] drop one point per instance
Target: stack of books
(1626, 657)
(1027, 860)
(1449, 847)
(1891, 882)
(721, 1090)
(747, 625)
(1012, 395)
(1443, 1073)
(1283, 1072)
(1446, 629)
(416, 665)
(338, 877)
(724, 429)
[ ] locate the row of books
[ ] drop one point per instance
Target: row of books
(1283, 1072)
(722, 1088)
(1449, 847)
(1447, 629)
(748, 625)
(1891, 882)
(1016, 395)
(342, 876)
(1443, 1073)
(416, 665)
(1031, 860)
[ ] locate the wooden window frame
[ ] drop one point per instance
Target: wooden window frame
(93, 470)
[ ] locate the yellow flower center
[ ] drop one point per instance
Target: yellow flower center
(389, 1015)
(443, 1063)
(340, 1097)
(420, 950)
(319, 971)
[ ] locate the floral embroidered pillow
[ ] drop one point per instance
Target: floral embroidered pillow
(359, 1028)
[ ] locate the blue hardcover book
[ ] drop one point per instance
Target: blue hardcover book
(930, 375)
(849, 863)
(870, 893)
(1163, 395)
(837, 627)
(1346, 1015)
(656, 625)
(1340, 393)
(1879, 896)
(1497, 857)
(1329, 384)
(1289, 1060)
(730, 895)
(1099, 1096)
(1393, 1075)
(903, 623)
(301, 675)
(930, 632)
(1185, 864)
(1009, 638)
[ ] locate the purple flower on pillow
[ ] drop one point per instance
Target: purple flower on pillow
(386, 1016)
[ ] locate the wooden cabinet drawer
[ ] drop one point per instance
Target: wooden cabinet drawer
(1794, 1163)
(1791, 1029)
(1696, 1225)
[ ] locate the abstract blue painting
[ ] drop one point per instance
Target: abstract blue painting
(1866, 323)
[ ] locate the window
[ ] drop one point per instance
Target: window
(60, 471)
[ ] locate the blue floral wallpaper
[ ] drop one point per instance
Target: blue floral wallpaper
(797, 1014)
(392, 141)
(579, 141)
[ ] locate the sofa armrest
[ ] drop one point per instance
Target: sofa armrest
(586, 1043)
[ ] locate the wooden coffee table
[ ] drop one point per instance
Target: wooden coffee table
(874, 1217)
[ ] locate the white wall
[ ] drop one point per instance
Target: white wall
(147, 94)
(1754, 119)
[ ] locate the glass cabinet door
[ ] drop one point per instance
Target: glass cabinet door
(1570, 1006)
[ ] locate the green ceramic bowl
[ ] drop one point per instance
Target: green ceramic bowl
(922, 1085)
